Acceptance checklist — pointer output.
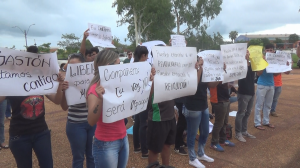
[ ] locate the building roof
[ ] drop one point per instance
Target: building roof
(248, 37)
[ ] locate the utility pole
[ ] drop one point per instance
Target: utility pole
(25, 32)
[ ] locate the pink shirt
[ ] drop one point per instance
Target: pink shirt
(108, 131)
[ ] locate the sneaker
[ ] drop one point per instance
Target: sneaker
(196, 163)
(184, 145)
(145, 156)
(246, 134)
(274, 114)
(180, 151)
(228, 143)
(217, 147)
(240, 138)
(137, 150)
(205, 158)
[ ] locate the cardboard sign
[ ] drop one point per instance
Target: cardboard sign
(213, 66)
(178, 41)
(236, 63)
(79, 77)
(127, 90)
(23, 73)
(176, 75)
(256, 58)
(100, 36)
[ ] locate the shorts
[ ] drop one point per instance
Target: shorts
(160, 133)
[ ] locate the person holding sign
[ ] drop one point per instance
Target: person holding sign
(140, 119)
(89, 55)
(79, 132)
(245, 103)
(264, 95)
(110, 146)
(197, 117)
(28, 128)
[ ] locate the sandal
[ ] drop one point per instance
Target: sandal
(269, 125)
(259, 127)
(4, 147)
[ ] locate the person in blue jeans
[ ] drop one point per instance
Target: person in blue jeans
(264, 95)
(196, 113)
(79, 132)
(3, 105)
(28, 129)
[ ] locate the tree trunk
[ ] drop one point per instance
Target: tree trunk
(177, 21)
(135, 27)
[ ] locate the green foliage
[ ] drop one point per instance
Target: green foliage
(70, 44)
(192, 16)
(293, 38)
(279, 43)
(44, 48)
(233, 35)
(255, 42)
(265, 41)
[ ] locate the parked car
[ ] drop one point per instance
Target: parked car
(122, 57)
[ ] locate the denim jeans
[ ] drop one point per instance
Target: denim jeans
(80, 136)
(112, 154)
(21, 147)
(245, 104)
(221, 110)
(233, 99)
(277, 93)
(8, 109)
(2, 118)
(264, 99)
(196, 120)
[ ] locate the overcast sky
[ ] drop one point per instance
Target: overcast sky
(56, 17)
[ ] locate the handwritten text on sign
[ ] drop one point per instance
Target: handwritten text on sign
(213, 67)
(277, 63)
(176, 75)
(234, 58)
(79, 77)
(289, 58)
(178, 41)
(127, 90)
(24, 73)
(100, 36)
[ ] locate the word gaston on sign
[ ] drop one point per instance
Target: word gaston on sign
(79, 77)
(127, 90)
(27, 73)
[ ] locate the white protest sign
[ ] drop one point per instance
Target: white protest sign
(277, 63)
(213, 66)
(289, 59)
(23, 73)
(176, 75)
(178, 41)
(100, 36)
(127, 90)
(79, 77)
(234, 58)
(149, 46)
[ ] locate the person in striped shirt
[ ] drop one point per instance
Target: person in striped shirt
(79, 132)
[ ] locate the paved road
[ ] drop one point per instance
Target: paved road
(277, 147)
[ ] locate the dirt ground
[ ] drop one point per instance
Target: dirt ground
(277, 147)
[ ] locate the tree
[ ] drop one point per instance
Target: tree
(135, 13)
(265, 41)
(279, 43)
(233, 35)
(192, 15)
(70, 43)
(255, 42)
(44, 48)
(293, 38)
(13, 47)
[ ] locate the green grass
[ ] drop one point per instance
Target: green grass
(295, 60)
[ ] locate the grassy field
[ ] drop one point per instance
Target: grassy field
(295, 60)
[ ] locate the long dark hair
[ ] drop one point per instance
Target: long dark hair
(139, 51)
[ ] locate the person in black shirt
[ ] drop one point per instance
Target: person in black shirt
(245, 104)
(28, 129)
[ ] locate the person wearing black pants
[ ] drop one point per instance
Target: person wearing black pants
(181, 126)
(140, 133)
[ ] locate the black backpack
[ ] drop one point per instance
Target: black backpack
(228, 131)
(156, 165)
